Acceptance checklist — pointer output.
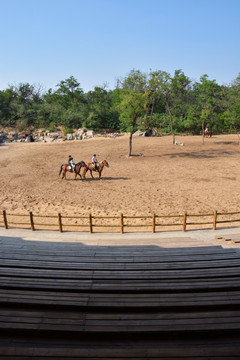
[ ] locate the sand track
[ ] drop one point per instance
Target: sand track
(167, 179)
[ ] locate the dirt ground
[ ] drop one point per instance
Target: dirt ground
(167, 179)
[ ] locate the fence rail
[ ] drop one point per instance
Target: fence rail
(123, 221)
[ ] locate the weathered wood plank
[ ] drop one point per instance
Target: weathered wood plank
(119, 300)
(119, 285)
(120, 322)
(160, 349)
(224, 272)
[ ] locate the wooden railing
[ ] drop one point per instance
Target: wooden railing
(121, 222)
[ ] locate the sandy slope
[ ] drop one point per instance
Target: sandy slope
(167, 179)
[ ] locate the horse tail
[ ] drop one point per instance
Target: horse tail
(60, 170)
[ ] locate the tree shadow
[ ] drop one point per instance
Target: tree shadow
(235, 143)
(204, 154)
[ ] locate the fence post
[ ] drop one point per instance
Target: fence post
(121, 223)
(31, 221)
(153, 222)
(5, 219)
(90, 223)
(215, 220)
(60, 222)
(184, 222)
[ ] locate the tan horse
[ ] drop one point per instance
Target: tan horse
(91, 168)
(65, 168)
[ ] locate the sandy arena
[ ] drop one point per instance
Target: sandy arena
(167, 179)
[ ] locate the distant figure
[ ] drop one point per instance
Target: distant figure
(206, 130)
(71, 163)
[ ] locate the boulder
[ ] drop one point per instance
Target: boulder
(139, 133)
(14, 135)
(90, 133)
(151, 132)
(3, 138)
(29, 138)
(81, 131)
(69, 136)
(54, 135)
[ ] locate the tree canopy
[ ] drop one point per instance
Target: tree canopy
(168, 103)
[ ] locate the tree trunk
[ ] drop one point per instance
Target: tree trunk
(237, 136)
(152, 109)
(130, 144)
(134, 121)
(171, 121)
(203, 127)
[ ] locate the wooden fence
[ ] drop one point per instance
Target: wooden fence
(121, 222)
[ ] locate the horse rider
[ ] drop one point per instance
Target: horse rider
(71, 162)
(206, 130)
(94, 162)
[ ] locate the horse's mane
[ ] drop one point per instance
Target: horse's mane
(80, 162)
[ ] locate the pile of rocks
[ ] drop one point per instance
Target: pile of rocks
(48, 136)
(15, 136)
(3, 137)
(150, 132)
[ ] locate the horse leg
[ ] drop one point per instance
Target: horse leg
(60, 170)
(84, 172)
(79, 173)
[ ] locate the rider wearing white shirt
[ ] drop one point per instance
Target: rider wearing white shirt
(94, 161)
(71, 162)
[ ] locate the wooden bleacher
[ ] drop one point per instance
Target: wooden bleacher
(176, 299)
(233, 239)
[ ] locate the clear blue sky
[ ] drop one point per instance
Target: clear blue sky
(98, 41)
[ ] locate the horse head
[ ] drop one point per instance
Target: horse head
(104, 162)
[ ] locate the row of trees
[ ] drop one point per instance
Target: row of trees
(171, 104)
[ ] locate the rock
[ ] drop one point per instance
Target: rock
(138, 133)
(14, 135)
(54, 135)
(90, 133)
(151, 132)
(82, 131)
(179, 143)
(69, 136)
(29, 138)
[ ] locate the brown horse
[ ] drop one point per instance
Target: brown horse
(206, 133)
(91, 168)
(65, 168)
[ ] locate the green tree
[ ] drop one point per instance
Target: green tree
(102, 112)
(234, 105)
(132, 108)
(69, 101)
(208, 95)
(160, 86)
(8, 103)
(135, 81)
